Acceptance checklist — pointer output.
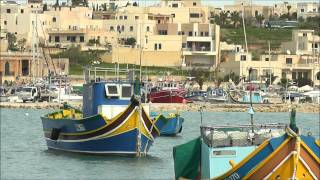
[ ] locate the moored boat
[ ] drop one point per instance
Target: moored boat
(272, 151)
(167, 92)
(113, 121)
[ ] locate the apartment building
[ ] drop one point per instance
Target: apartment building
(250, 10)
(308, 9)
(300, 59)
(304, 42)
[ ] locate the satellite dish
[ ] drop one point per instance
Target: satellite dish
(288, 52)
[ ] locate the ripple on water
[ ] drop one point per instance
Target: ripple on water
(24, 154)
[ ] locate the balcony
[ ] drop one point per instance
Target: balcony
(198, 51)
(298, 66)
(199, 39)
(66, 31)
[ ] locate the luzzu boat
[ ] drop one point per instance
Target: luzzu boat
(173, 125)
(112, 122)
(273, 152)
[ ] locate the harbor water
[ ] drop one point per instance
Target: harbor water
(24, 154)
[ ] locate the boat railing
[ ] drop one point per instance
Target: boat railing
(246, 126)
(97, 74)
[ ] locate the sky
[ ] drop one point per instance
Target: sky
(215, 3)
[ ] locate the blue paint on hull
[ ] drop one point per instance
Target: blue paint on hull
(173, 126)
(125, 143)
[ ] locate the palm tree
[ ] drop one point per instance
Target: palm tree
(223, 17)
(289, 7)
(235, 17)
(260, 19)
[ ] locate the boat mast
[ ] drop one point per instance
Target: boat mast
(244, 29)
(270, 65)
(251, 112)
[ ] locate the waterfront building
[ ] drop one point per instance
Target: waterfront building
(308, 9)
(19, 66)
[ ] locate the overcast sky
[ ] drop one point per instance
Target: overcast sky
(215, 3)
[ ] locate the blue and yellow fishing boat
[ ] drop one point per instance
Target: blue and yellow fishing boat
(272, 151)
(113, 121)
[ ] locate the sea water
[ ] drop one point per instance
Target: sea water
(24, 154)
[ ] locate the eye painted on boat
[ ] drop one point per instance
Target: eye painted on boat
(224, 153)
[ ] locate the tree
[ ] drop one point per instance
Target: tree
(12, 42)
(235, 18)
(104, 7)
(21, 44)
(130, 41)
(45, 7)
(200, 76)
(57, 3)
(288, 7)
(135, 4)
(260, 19)
(283, 82)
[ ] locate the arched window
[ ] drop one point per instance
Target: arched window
(318, 76)
(7, 69)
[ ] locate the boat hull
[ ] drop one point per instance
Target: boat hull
(125, 144)
(172, 127)
(167, 96)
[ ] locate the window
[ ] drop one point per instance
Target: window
(155, 47)
(125, 17)
(182, 33)
(194, 15)
(68, 38)
(8, 10)
(190, 33)
(173, 15)
(81, 38)
(122, 28)
(148, 28)
(131, 28)
(7, 69)
(160, 46)
(267, 59)
(159, 21)
(118, 28)
(305, 75)
(111, 28)
(175, 5)
(121, 17)
(206, 33)
(224, 153)
(54, 19)
(316, 45)
(22, 11)
(162, 32)
(136, 17)
(304, 34)
(318, 75)
(288, 60)
(243, 57)
(201, 33)
(194, 4)
(5, 22)
(302, 10)
(56, 39)
(126, 91)
(73, 39)
(111, 90)
(49, 38)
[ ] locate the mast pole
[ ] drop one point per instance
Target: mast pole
(244, 29)
(270, 64)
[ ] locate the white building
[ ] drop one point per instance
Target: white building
(305, 10)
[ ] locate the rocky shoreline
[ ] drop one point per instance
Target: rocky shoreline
(304, 108)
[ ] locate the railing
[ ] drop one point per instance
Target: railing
(298, 65)
(113, 74)
(196, 49)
